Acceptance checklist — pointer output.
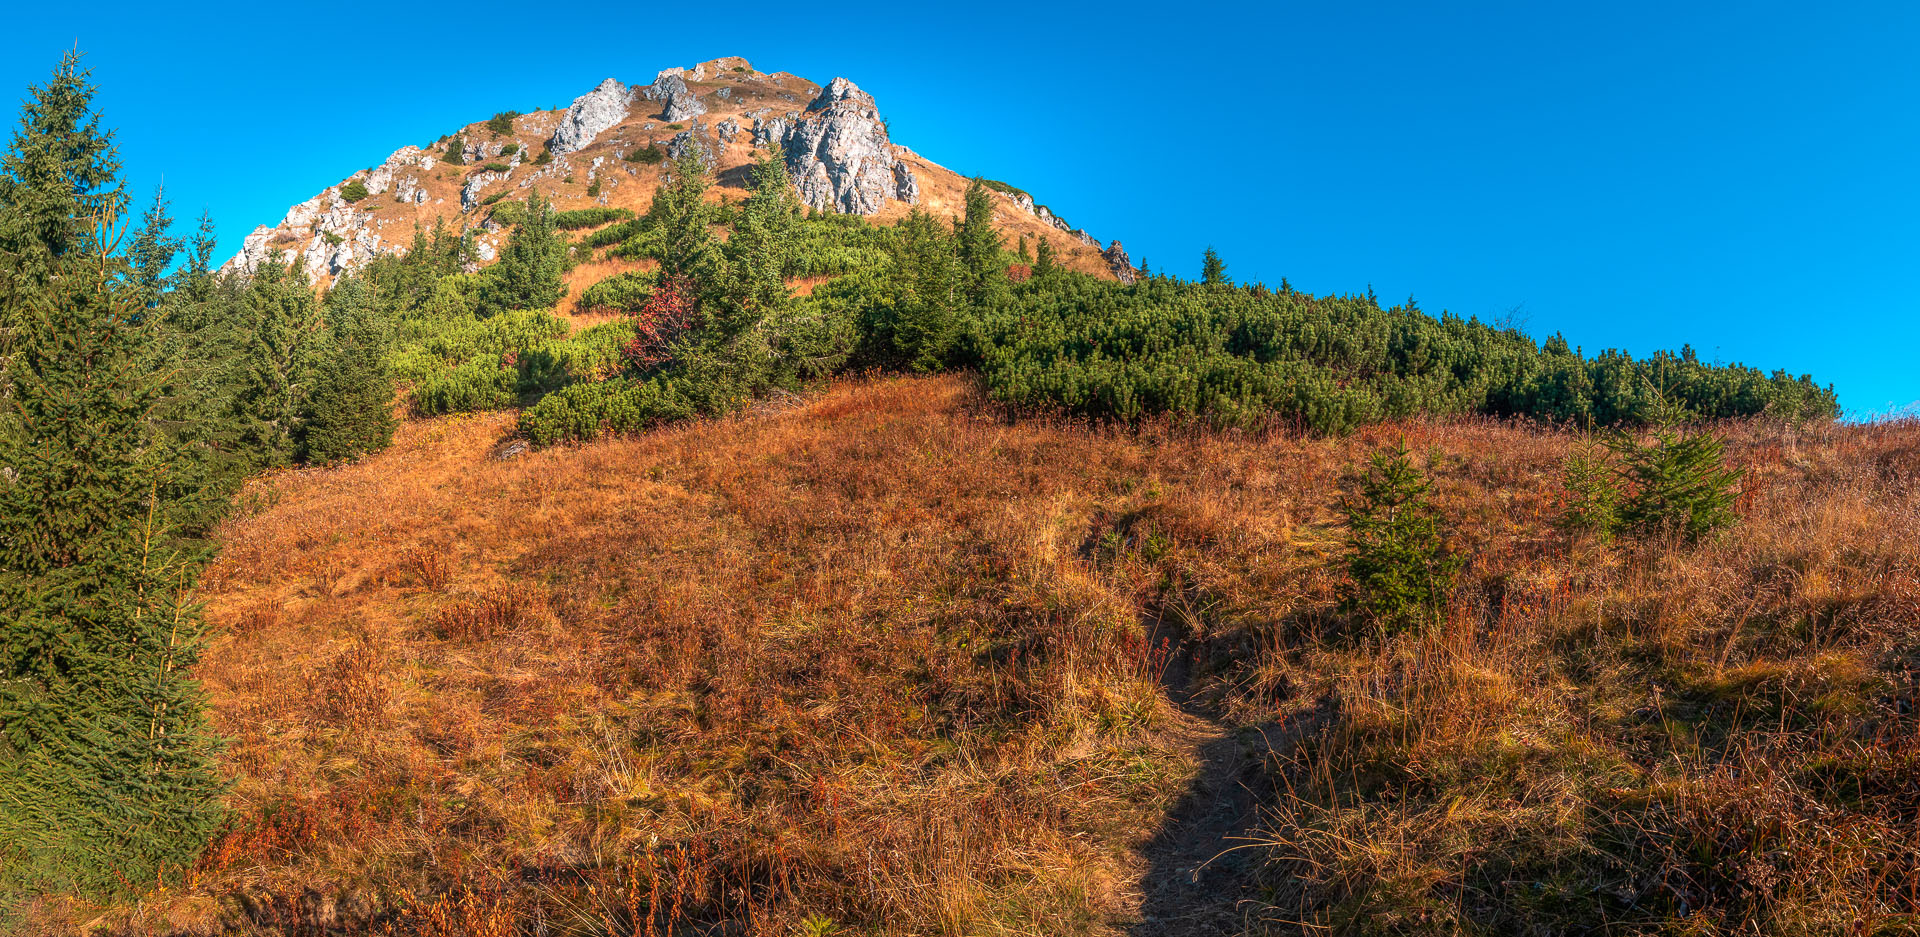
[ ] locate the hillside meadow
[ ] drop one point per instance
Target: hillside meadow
(880, 660)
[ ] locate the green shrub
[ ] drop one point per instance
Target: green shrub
(495, 197)
(593, 189)
(332, 239)
(509, 212)
(675, 127)
(651, 155)
(1400, 569)
(478, 384)
(497, 167)
(999, 186)
(624, 292)
(353, 191)
(613, 407)
(456, 151)
(613, 234)
(510, 149)
(502, 123)
(588, 217)
(545, 157)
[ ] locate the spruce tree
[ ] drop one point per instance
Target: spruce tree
(1043, 263)
(762, 244)
(1213, 270)
(282, 343)
(351, 408)
(1593, 493)
(1400, 568)
(1680, 483)
(979, 244)
(59, 169)
(106, 777)
(152, 250)
(529, 274)
(681, 214)
(927, 316)
(1026, 256)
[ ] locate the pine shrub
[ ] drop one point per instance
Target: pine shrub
(353, 191)
(1681, 485)
(1400, 568)
(1592, 505)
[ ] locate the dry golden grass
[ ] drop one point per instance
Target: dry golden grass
(887, 658)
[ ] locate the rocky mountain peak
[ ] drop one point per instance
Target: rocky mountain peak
(838, 149)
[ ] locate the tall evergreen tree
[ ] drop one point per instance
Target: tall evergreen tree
(152, 250)
(926, 320)
(533, 263)
(684, 219)
(282, 345)
(106, 777)
(351, 408)
(978, 242)
(1213, 270)
(762, 244)
(1043, 262)
(59, 170)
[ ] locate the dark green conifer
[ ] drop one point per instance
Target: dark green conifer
(1400, 568)
(152, 250)
(106, 776)
(351, 408)
(532, 265)
(1213, 270)
(283, 333)
(979, 244)
(1043, 262)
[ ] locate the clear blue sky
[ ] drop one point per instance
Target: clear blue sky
(1741, 177)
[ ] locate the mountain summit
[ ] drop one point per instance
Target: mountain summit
(606, 148)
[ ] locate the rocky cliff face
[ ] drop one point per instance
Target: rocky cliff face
(840, 156)
(837, 146)
(590, 114)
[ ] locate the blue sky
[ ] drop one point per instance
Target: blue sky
(1741, 177)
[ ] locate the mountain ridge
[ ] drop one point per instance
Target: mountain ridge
(839, 150)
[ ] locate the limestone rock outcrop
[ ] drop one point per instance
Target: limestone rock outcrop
(769, 131)
(840, 156)
(1119, 263)
(590, 114)
(678, 101)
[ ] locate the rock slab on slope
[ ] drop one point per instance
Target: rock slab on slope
(590, 114)
(840, 156)
(679, 101)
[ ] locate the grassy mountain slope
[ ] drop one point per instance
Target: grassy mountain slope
(880, 660)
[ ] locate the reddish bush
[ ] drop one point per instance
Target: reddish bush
(666, 315)
(1019, 273)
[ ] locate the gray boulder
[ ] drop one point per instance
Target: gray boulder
(905, 187)
(770, 131)
(840, 156)
(590, 114)
(679, 100)
(690, 139)
(1119, 262)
